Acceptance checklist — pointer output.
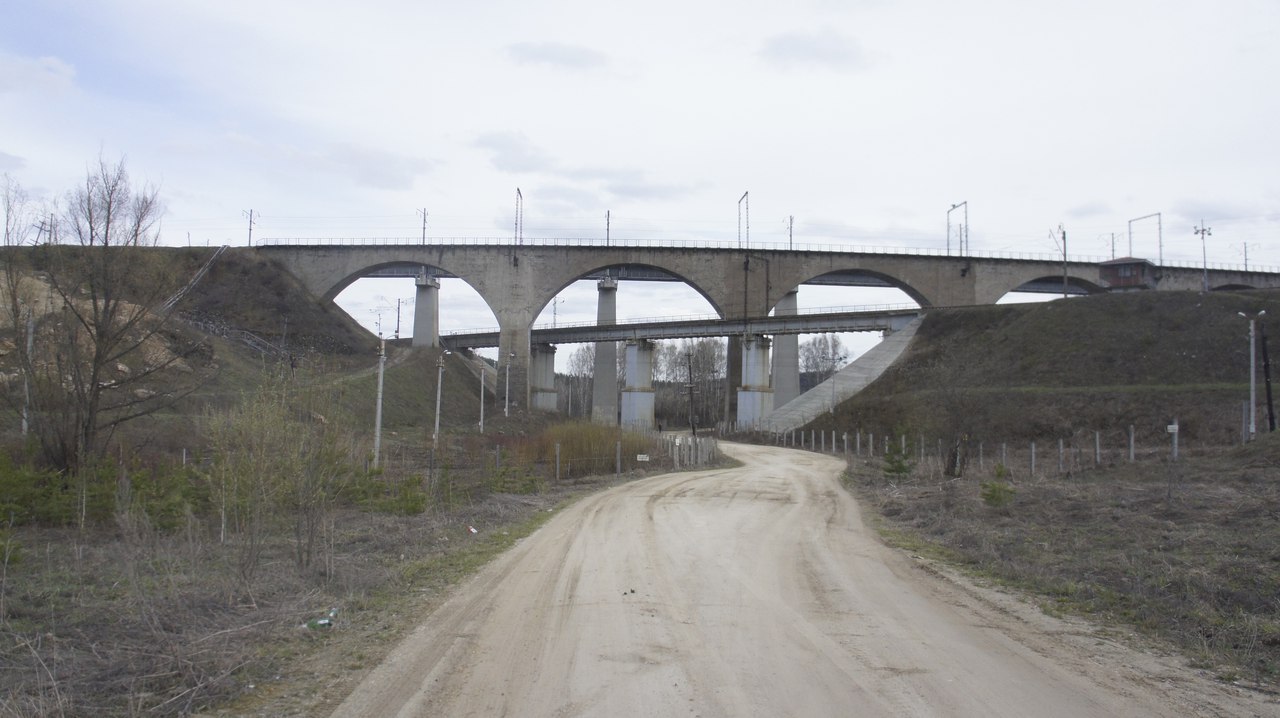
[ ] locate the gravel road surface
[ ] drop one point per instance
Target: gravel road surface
(757, 591)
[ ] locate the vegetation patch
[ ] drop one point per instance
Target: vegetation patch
(1194, 560)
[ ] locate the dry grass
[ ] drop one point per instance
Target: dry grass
(1189, 552)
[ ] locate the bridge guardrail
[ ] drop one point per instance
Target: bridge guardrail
(600, 242)
(855, 309)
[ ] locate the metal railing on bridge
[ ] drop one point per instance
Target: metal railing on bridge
(601, 243)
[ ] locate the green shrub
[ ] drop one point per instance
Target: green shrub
(896, 465)
(997, 494)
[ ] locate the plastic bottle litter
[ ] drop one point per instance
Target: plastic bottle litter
(326, 622)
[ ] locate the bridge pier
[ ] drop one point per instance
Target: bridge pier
(604, 396)
(637, 393)
(755, 397)
(513, 366)
(426, 312)
(542, 378)
(786, 355)
(733, 378)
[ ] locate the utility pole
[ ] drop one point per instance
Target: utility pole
(377, 415)
(423, 212)
(1266, 376)
(397, 317)
(693, 426)
(963, 228)
(1204, 232)
(519, 217)
(249, 213)
(1063, 231)
(1159, 234)
(606, 228)
(791, 222)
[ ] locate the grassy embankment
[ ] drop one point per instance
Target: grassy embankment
(1187, 552)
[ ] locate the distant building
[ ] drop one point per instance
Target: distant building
(1128, 273)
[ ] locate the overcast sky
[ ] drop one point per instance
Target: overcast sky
(866, 120)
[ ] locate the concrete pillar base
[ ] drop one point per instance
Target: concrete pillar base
(637, 394)
(755, 396)
(542, 378)
(604, 395)
(426, 312)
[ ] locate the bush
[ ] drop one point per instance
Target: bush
(896, 466)
(997, 494)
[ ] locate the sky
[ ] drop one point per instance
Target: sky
(855, 122)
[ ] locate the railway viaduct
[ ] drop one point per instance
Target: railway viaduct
(518, 279)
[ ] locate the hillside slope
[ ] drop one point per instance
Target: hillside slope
(1062, 367)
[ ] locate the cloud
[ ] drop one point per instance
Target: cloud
(364, 166)
(569, 57)
(824, 49)
(628, 184)
(22, 74)
(9, 163)
(1209, 210)
(513, 152)
(375, 168)
(1095, 208)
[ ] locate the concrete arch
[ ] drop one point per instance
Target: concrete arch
(997, 279)
(893, 282)
(1081, 285)
(544, 301)
(368, 271)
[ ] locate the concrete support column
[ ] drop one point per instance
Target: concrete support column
(426, 312)
(637, 393)
(755, 398)
(786, 355)
(604, 397)
(733, 378)
(513, 365)
(542, 378)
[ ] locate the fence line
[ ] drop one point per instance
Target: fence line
(1028, 458)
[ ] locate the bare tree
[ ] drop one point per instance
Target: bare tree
(822, 356)
(582, 364)
(695, 370)
(97, 344)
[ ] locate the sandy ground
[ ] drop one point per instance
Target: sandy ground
(756, 591)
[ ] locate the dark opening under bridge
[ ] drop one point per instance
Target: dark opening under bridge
(518, 279)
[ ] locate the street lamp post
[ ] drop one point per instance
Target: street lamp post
(1253, 373)
(744, 198)
(1204, 232)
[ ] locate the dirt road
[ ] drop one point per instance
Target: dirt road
(755, 591)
